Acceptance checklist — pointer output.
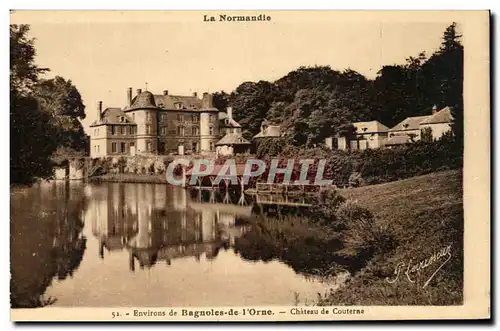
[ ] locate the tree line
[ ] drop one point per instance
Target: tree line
(45, 114)
(311, 103)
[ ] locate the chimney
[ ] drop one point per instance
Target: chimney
(139, 91)
(229, 111)
(165, 92)
(434, 109)
(207, 100)
(195, 94)
(129, 96)
(99, 109)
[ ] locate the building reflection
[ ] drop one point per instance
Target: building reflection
(157, 223)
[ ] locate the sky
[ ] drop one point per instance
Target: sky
(183, 54)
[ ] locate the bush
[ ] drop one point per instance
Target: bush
(355, 180)
(373, 166)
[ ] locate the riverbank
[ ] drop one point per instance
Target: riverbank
(131, 178)
(425, 216)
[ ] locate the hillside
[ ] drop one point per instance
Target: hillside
(425, 215)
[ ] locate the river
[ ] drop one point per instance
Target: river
(144, 245)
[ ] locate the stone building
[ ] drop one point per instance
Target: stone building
(413, 128)
(366, 135)
(373, 134)
(159, 124)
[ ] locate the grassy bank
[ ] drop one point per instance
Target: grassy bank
(425, 215)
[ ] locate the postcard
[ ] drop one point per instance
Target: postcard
(249, 166)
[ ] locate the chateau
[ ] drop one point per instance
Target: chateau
(161, 124)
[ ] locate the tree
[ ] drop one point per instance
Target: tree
(33, 139)
(221, 100)
(61, 99)
(444, 75)
(32, 135)
(251, 102)
(23, 70)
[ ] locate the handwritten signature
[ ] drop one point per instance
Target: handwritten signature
(412, 270)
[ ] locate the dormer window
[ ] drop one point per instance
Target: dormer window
(178, 105)
(122, 119)
(160, 105)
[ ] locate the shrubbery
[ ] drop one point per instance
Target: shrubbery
(374, 166)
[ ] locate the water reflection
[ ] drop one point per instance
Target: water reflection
(46, 239)
(155, 223)
(152, 245)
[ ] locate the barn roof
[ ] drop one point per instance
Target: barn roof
(410, 123)
(370, 127)
(442, 116)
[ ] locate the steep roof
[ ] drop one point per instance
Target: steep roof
(398, 140)
(170, 101)
(370, 127)
(145, 99)
(442, 116)
(270, 131)
(228, 122)
(410, 123)
(233, 139)
(113, 116)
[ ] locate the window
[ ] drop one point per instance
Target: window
(113, 130)
(122, 119)
(212, 146)
(130, 130)
(148, 129)
(211, 118)
(113, 147)
(120, 129)
(180, 130)
(195, 119)
(132, 144)
(148, 146)
(195, 130)
(133, 116)
(148, 117)
(164, 131)
(97, 148)
(211, 130)
(122, 147)
(178, 105)
(180, 117)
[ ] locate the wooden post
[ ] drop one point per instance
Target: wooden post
(226, 196)
(242, 192)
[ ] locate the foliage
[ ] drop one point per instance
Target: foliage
(63, 102)
(251, 102)
(44, 115)
(23, 70)
(32, 140)
(412, 230)
(311, 103)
